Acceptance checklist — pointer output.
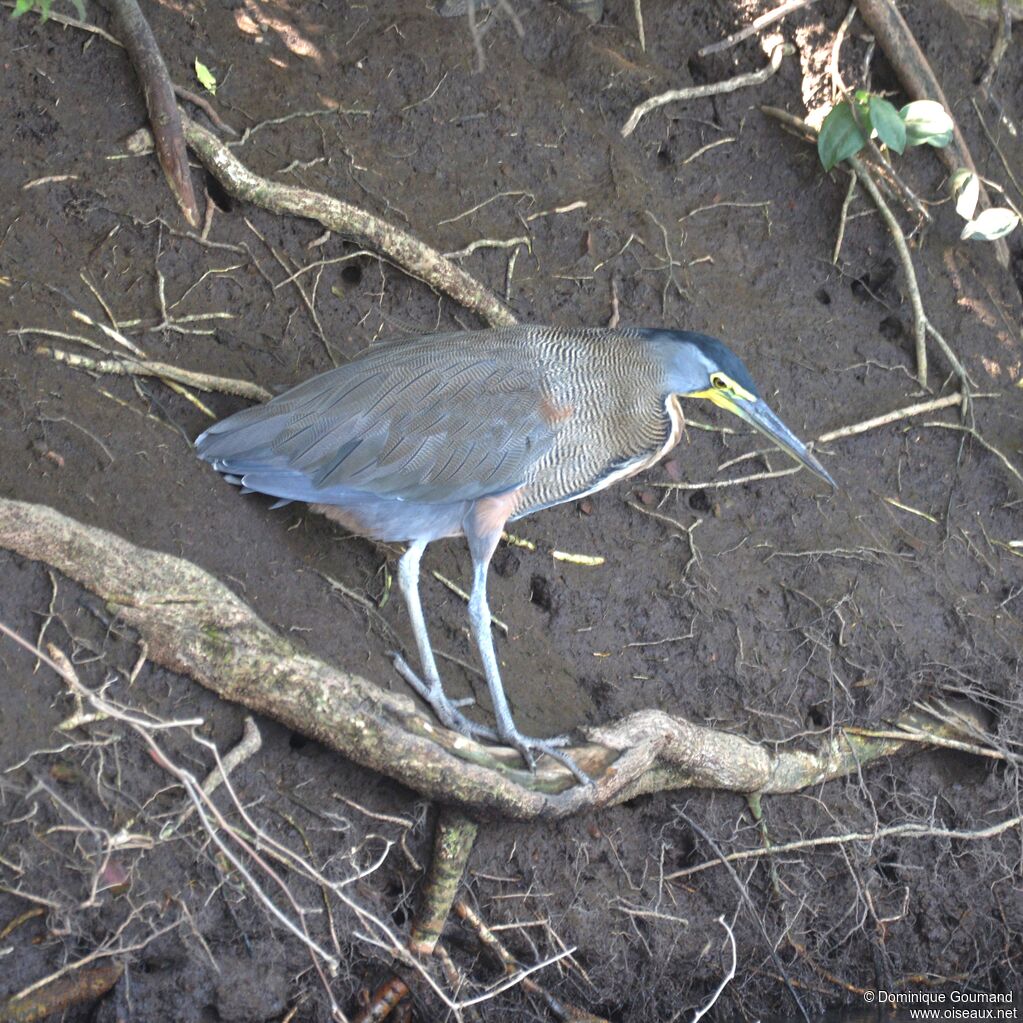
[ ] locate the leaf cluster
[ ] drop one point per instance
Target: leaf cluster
(853, 121)
(865, 116)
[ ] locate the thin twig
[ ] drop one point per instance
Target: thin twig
(755, 26)
(896, 831)
(165, 371)
(712, 89)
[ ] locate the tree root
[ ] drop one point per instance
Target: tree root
(195, 625)
(393, 243)
(452, 843)
(712, 89)
(88, 985)
(164, 116)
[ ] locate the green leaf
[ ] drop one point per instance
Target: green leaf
(991, 225)
(927, 122)
(207, 79)
(22, 7)
(79, 6)
(840, 136)
(890, 128)
(965, 187)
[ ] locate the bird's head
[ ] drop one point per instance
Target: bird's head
(703, 367)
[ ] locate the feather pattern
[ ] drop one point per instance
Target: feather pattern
(551, 413)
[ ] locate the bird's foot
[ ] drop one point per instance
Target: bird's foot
(527, 746)
(446, 710)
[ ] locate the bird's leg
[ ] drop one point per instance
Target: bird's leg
(482, 546)
(432, 691)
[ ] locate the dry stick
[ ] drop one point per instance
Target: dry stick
(895, 230)
(195, 625)
(1003, 36)
(164, 116)
(163, 370)
(918, 79)
(895, 416)
(413, 256)
(712, 89)
(453, 839)
(249, 745)
(755, 26)
(563, 1010)
(852, 430)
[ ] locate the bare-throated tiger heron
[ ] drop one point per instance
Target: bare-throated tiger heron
(456, 434)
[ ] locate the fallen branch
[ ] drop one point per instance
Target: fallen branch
(123, 366)
(195, 625)
(413, 256)
(712, 89)
(164, 116)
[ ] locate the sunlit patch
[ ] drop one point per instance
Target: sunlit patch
(254, 20)
(246, 24)
(994, 369)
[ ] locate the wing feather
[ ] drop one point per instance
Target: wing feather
(434, 421)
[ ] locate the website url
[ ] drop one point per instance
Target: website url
(1006, 1012)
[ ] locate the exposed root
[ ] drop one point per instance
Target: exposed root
(712, 89)
(452, 843)
(164, 116)
(194, 625)
(416, 258)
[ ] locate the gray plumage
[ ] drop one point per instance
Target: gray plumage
(451, 418)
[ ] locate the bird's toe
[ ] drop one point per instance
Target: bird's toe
(446, 710)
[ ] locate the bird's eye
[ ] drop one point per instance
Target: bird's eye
(719, 382)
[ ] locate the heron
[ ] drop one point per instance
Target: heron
(457, 434)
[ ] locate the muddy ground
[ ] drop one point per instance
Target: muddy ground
(803, 611)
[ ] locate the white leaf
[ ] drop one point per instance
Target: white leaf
(991, 225)
(927, 121)
(966, 189)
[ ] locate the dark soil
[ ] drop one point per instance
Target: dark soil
(803, 612)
